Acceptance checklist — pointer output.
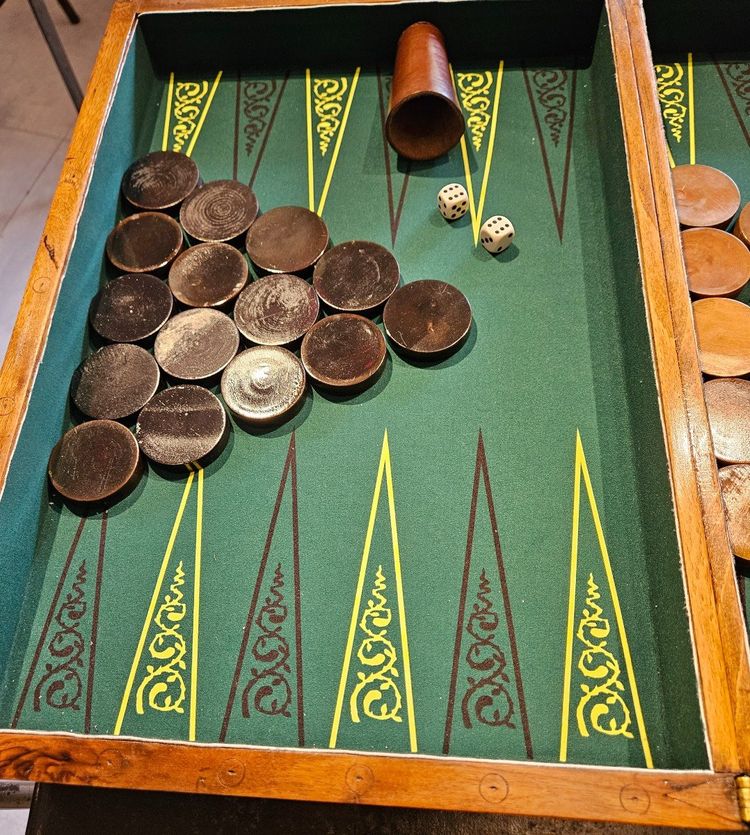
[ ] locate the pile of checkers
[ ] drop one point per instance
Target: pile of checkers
(183, 323)
(717, 263)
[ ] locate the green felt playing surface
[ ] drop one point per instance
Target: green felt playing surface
(390, 571)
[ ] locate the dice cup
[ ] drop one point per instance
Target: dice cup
(424, 119)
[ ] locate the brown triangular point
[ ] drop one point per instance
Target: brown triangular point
(735, 77)
(552, 97)
(273, 587)
(59, 685)
(481, 469)
(395, 209)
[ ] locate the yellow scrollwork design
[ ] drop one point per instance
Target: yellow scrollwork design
(188, 97)
(474, 90)
(382, 699)
(608, 714)
(328, 94)
(671, 96)
(164, 682)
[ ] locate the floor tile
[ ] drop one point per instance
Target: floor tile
(19, 240)
(13, 821)
(23, 157)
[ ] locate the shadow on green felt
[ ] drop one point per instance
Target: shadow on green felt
(357, 397)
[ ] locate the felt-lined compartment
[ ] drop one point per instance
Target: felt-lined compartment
(559, 347)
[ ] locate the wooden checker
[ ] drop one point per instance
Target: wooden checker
(735, 490)
(742, 226)
(717, 263)
(728, 405)
(722, 328)
(704, 195)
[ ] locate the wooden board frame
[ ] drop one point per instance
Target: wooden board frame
(686, 798)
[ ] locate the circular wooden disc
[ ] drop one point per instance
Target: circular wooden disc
(717, 263)
(160, 180)
(144, 242)
(131, 308)
(356, 276)
(344, 351)
(742, 227)
(208, 275)
(221, 210)
(288, 239)
(181, 425)
(705, 196)
(735, 490)
(196, 344)
(115, 381)
(427, 318)
(722, 328)
(94, 461)
(728, 405)
(276, 310)
(263, 384)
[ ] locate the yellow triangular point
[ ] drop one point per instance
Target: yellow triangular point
(152, 605)
(476, 210)
(581, 471)
(311, 85)
(185, 100)
(384, 468)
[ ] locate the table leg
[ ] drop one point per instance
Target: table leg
(56, 48)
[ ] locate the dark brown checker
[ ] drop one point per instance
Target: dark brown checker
(717, 263)
(181, 425)
(114, 382)
(735, 490)
(356, 276)
(704, 195)
(208, 275)
(263, 385)
(196, 344)
(144, 243)
(95, 461)
(276, 310)
(742, 226)
(160, 181)
(131, 308)
(221, 210)
(345, 351)
(427, 318)
(288, 239)
(722, 328)
(728, 405)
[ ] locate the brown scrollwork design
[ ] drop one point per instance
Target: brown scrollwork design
(486, 697)
(61, 683)
(550, 90)
(257, 98)
(268, 684)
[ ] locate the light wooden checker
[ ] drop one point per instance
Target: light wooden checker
(722, 328)
(717, 263)
(742, 227)
(728, 404)
(735, 490)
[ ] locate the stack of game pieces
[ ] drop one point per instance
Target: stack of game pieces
(717, 264)
(188, 325)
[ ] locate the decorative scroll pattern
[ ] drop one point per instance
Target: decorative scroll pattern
(381, 697)
(602, 706)
(188, 98)
(669, 85)
(739, 77)
(268, 684)
(61, 683)
(164, 681)
(550, 87)
(257, 98)
(486, 696)
(474, 89)
(328, 94)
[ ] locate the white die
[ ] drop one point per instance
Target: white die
(453, 201)
(497, 234)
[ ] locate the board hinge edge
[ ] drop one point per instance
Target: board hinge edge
(742, 782)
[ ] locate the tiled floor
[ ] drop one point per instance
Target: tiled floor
(36, 118)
